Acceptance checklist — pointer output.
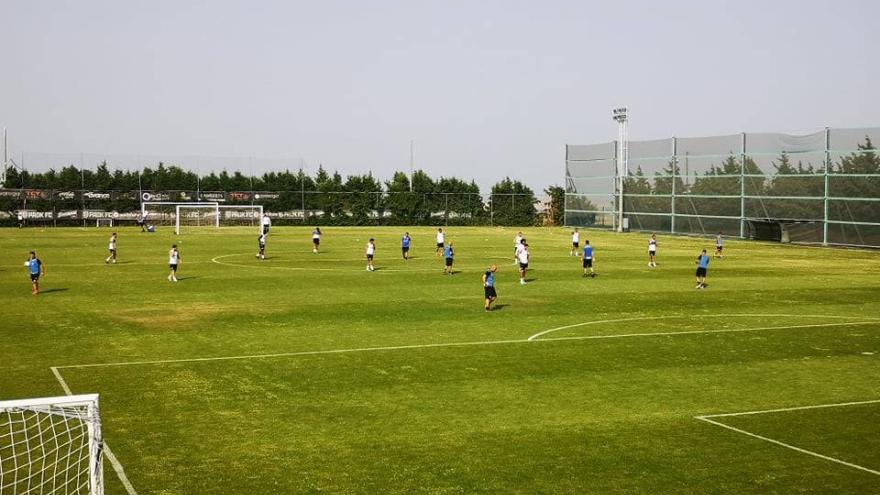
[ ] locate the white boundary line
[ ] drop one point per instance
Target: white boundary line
(117, 466)
(379, 269)
(452, 344)
(730, 315)
(707, 419)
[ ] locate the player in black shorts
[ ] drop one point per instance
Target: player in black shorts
(489, 287)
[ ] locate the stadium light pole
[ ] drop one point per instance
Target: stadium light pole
(5, 158)
(411, 162)
(620, 116)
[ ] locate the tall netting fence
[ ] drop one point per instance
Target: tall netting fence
(819, 188)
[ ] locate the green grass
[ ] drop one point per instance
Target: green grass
(561, 414)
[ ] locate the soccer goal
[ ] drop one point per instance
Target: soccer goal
(51, 445)
(194, 215)
(165, 212)
(104, 222)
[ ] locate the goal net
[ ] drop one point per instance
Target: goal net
(191, 216)
(241, 215)
(51, 445)
(164, 213)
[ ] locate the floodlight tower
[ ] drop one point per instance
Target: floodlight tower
(5, 158)
(622, 160)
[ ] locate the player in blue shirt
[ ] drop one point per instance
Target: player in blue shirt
(489, 287)
(588, 259)
(448, 254)
(702, 266)
(35, 268)
(404, 245)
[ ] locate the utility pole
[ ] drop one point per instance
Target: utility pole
(5, 157)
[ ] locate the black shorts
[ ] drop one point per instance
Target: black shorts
(262, 247)
(652, 253)
(173, 268)
(404, 249)
(719, 248)
(316, 241)
(523, 266)
(370, 257)
(490, 292)
(701, 272)
(575, 244)
(448, 261)
(265, 229)
(439, 244)
(112, 251)
(35, 277)
(588, 262)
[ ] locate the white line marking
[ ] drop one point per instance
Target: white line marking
(448, 344)
(117, 466)
(741, 315)
(786, 409)
(379, 269)
(789, 446)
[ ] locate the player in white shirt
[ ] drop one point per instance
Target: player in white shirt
(112, 248)
(261, 242)
(267, 222)
(371, 250)
(517, 242)
(719, 245)
(316, 240)
(173, 261)
(441, 241)
(575, 243)
(523, 258)
(652, 251)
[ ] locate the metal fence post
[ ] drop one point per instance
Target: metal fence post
(742, 189)
(827, 181)
(674, 166)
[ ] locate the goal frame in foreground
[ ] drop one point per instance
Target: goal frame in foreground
(82, 408)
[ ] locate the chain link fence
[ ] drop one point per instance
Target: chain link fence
(819, 188)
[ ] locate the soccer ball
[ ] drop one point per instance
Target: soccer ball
(27, 263)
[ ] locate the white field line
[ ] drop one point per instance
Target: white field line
(786, 409)
(729, 315)
(379, 269)
(448, 344)
(117, 466)
(789, 446)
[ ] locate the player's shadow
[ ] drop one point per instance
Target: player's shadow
(530, 280)
(499, 307)
(193, 277)
(54, 289)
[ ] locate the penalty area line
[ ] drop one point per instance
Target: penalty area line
(707, 419)
(117, 466)
(437, 345)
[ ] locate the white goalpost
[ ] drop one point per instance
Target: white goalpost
(200, 214)
(51, 445)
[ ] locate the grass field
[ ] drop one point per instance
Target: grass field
(304, 373)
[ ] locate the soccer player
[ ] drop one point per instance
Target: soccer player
(523, 258)
(702, 266)
(173, 261)
(719, 245)
(267, 222)
(142, 222)
(517, 242)
(652, 251)
(371, 250)
(588, 258)
(36, 269)
(404, 245)
(448, 254)
(261, 242)
(518, 249)
(316, 240)
(20, 219)
(441, 238)
(112, 247)
(575, 243)
(489, 287)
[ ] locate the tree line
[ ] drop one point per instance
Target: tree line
(327, 197)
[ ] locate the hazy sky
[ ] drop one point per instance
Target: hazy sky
(484, 88)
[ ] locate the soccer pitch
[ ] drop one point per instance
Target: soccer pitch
(305, 373)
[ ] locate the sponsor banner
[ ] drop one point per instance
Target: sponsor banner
(218, 197)
(10, 193)
(187, 196)
(240, 196)
(266, 195)
(96, 195)
(68, 214)
(66, 195)
(36, 215)
(94, 214)
(293, 215)
(36, 194)
(125, 195)
(155, 196)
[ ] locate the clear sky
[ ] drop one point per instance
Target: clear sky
(484, 88)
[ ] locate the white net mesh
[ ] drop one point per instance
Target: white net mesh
(50, 448)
